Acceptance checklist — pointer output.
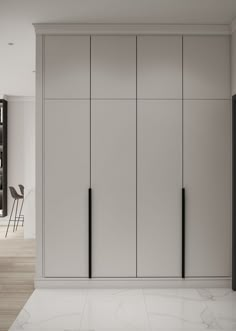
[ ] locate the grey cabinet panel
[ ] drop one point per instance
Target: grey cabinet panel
(113, 127)
(159, 67)
(113, 67)
(67, 67)
(66, 182)
(206, 62)
(207, 180)
(159, 173)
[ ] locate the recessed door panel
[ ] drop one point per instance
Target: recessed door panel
(113, 67)
(67, 67)
(113, 171)
(66, 183)
(159, 174)
(159, 67)
(207, 181)
(206, 61)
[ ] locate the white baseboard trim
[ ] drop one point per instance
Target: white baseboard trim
(215, 282)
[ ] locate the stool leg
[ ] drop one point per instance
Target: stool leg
(20, 214)
(23, 218)
(15, 215)
(10, 217)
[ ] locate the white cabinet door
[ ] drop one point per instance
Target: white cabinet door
(206, 67)
(113, 170)
(113, 67)
(207, 180)
(66, 183)
(159, 173)
(159, 73)
(67, 67)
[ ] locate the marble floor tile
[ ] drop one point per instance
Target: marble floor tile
(176, 308)
(128, 310)
(52, 310)
(222, 303)
(115, 310)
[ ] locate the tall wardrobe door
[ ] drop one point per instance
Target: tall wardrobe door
(67, 67)
(159, 67)
(66, 182)
(159, 173)
(113, 67)
(113, 164)
(207, 180)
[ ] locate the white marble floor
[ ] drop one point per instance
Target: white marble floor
(128, 310)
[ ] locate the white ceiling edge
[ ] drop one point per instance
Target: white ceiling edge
(137, 29)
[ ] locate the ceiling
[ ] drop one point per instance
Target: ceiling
(17, 62)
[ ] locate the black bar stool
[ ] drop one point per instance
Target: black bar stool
(21, 217)
(16, 198)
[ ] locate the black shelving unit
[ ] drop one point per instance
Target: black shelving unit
(3, 158)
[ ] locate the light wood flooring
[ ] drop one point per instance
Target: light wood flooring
(17, 265)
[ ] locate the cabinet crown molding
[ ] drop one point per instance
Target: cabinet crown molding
(132, 29)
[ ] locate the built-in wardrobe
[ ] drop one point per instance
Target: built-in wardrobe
(133, 156)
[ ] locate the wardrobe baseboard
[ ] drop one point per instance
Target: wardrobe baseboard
(215, 282)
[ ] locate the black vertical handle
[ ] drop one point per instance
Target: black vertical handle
(183, 232)
(90, 232)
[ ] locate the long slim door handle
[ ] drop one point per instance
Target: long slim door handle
(90, 232)
(183, 232)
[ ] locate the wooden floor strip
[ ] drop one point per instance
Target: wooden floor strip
(17, 267)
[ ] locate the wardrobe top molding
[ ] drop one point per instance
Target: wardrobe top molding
(132, 29)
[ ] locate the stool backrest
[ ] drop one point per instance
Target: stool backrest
(14, 194)
(22, 189)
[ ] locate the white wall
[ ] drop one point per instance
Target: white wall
(21, 156)
(29, 168)
(233, 62)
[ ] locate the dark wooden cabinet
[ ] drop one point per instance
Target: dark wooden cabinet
(3, 158)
